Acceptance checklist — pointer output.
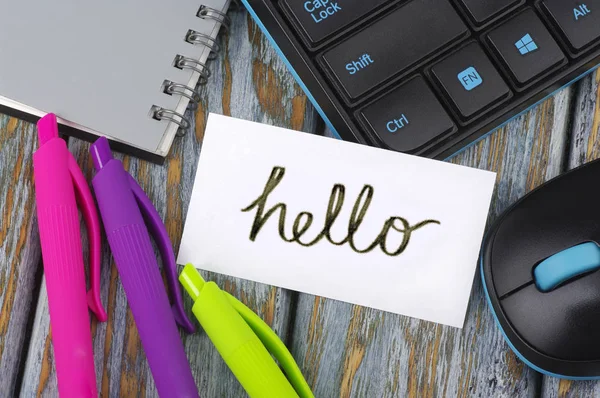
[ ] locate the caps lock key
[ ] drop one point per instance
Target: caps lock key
(322, 18)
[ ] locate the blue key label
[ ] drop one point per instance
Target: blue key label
(526, 44)
(581, 11)
(397, 124)
(355, 66)
(470, 78)
(320, 10)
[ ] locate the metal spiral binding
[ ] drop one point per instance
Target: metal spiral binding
(188, 92)
(198, 38)
(216, 15)
(182, 62)
(160, 113)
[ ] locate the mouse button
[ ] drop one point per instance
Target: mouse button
(548, 220)
(513, 250)
(566, 265)
(563, 324)
(525, 237)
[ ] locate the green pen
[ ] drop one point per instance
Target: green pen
(246, 342)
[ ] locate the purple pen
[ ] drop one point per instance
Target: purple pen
(124, 206)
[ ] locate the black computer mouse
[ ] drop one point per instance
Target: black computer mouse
(539, 265)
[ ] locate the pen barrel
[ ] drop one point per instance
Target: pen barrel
(241, 349)
(138, 268)
(151, 310)
(60, 236)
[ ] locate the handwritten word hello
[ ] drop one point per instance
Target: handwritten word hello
(304, 220)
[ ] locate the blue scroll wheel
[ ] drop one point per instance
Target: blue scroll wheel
(566, 265)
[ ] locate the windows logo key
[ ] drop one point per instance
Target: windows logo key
(526, 45)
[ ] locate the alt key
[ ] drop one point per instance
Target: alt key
(408, 117)
(578, 20)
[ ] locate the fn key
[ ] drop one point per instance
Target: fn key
(408, 117)
(470, 81)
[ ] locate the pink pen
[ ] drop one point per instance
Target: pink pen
(60, 186)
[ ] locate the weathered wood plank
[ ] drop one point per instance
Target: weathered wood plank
(348, 350)
(263, 92)
(19, 247)
(585, 147)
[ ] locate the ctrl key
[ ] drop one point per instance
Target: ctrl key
(408, 117)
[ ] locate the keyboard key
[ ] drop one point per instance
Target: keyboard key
(408, 117)
(470, 80)
(483, 10)
(578, 20)
(526, 47)
(322, 18)
(392, 44)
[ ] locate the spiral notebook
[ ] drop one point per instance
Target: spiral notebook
(126, 70)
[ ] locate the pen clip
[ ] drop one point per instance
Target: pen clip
(159, 232)
(88, 209)
(274, 345)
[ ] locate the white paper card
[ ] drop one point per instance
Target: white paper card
(349, 222)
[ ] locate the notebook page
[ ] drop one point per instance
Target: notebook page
(100, 65)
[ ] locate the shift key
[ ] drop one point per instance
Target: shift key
(393, 44)
(321, 18)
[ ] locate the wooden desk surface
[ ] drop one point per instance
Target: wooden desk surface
(343, 350)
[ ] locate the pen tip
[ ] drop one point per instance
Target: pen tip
(192, 281)
(101, 154)
(47, 128)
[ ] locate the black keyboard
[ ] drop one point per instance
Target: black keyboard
(429, 77)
